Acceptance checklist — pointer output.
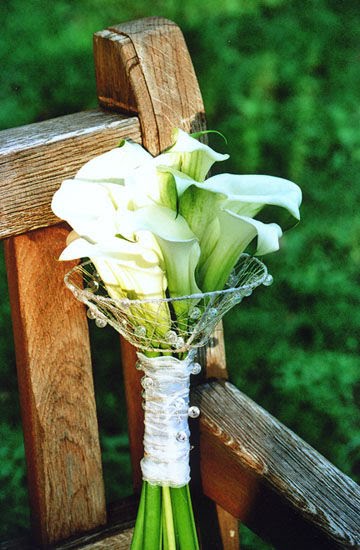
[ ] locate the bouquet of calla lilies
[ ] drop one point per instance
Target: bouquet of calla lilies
(156, 230)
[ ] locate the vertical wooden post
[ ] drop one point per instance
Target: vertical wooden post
(144, 67)
(56, 389)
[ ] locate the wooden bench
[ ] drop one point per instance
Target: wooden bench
(254, 469)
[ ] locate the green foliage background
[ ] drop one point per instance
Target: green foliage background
(281, 80)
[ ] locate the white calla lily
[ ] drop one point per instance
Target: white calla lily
(165, 228)
(115, 166)
(227, 209)
(129, 270)
(88, 208)
(190, 156)
(179, 246)
(236, 233)
(132, 255)
(92, 208)
(249, 194)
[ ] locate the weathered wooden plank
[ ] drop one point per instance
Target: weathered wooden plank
(117, 542)
(120, 541)
(132, 378)
(265, 475)
(34, 160)
(152, 75)
(116, 533)
(212, 356)
(229, 528)
(56, 389)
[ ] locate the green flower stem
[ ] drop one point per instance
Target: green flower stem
(184, 518)
(137, 540)
(165, 520)
(153, 517)
(168, 521)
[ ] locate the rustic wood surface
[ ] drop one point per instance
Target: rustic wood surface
(135, 412)
(151, 75)
(262, 473)
(122, 541)
(34, 160)
(144, 67)
(212, 356)
(56, 389)
(265, 475)
(116, 533)
(229, 529)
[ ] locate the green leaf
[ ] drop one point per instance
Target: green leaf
(198, 135)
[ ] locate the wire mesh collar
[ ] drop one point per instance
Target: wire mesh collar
(165, 324)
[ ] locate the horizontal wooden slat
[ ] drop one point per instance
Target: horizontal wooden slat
(34, 160)
(116, 533)
(262, 473)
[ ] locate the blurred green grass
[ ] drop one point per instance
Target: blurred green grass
(281, 80)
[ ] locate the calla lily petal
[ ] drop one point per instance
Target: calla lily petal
(128, 271)
(151, 185)
(248, 194)
(190, 156)
(168, 195)
(115, 165)
(181, 180)
(181, 259)
(161, 221)
(86, 207)
(179, 246)
(199, 207)
(236, 232)
(115, 248)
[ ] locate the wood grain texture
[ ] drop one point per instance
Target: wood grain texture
(229, 529)
(116, 533)
(275, 483)
(117, 542)
(151, 75)
(34, 160)
(56, 389)
(212, 356)
(135, 412)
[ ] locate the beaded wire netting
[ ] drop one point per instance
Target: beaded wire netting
(168, 324)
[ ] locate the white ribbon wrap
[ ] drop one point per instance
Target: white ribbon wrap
(166, 403)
